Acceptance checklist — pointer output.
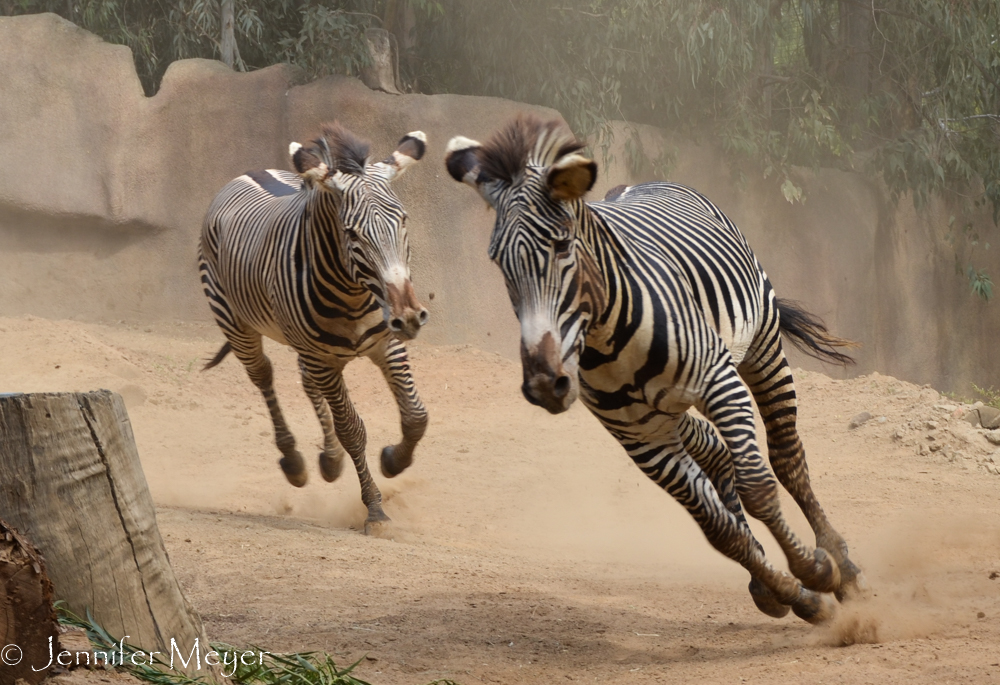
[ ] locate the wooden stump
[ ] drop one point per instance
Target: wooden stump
(71, 481)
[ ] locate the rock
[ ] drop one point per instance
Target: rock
(898, 434)
(984, 416)
(859, 420)
(993, 436)
(989, 417)
(935, 447)
(931, 425)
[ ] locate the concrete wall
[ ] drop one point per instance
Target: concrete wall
(102, 193)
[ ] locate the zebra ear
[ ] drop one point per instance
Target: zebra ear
(463, 165)
(313, 170)
(409, 151)
(308, 164)
(571, 177)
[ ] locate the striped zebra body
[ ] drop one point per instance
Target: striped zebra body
(318, 260)
(648, 304)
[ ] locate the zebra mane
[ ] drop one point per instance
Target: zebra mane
(526, 141)
(340, 149)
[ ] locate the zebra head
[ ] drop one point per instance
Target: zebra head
(532, 174)
(370, 223)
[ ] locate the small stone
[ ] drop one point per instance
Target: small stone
(931, 425)
(922, 449)
(859, 420)
(898, 434)
(882, 419)
(981, 615)
(993, 436)
(989, 417)
(935, 447)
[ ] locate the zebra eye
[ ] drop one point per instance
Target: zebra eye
(351, 234)
(561, 247)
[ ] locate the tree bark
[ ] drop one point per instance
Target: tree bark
(230, 52)
(855, 47)
(381, 73)
(71, 481)
(27, 618)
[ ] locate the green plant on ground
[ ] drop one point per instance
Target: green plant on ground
(988, 396)
(304, 668)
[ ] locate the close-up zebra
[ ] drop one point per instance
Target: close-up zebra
(319, 260)
(646, 305)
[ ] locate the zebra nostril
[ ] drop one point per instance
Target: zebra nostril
(396, 324)
(561, 387)
(423, 316)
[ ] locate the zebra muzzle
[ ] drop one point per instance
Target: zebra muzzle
(406, 314)
(546, 381)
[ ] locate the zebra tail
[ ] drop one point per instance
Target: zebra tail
(808, 333)
(219, 356)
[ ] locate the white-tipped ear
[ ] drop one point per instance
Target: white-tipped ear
(571, 177)
(462, 162)
(411, 148)
(293, 147)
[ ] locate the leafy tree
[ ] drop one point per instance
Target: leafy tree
(905, 90)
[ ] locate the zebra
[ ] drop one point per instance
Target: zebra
(648, 304)
(319, 260)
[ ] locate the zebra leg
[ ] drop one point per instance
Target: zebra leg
(726, 403)
(331, 459)
(672, 468)
(248, 349)
(704, 446)
(350, 430)
(392, 359)
(769, 378)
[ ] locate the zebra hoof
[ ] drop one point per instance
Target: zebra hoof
(330, 467)
(378, 525)
(854, 584)
(390, 466)
(822, 575)
(815, 608)
(766, 601)
(294, 469)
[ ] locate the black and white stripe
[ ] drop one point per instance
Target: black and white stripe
(319, 260)
(648, 304)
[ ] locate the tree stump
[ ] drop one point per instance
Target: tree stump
(27, 619)
(381, 74)
(71, 481)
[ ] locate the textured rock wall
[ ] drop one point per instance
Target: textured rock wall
(102, 193)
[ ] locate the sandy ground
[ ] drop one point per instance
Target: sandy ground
(526, 548)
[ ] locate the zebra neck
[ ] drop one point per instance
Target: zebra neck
(600, 263)
(326, 254)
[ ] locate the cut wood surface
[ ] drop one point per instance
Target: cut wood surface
(71, 481)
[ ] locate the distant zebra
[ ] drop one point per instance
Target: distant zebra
(647, 305)
(319, 260)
